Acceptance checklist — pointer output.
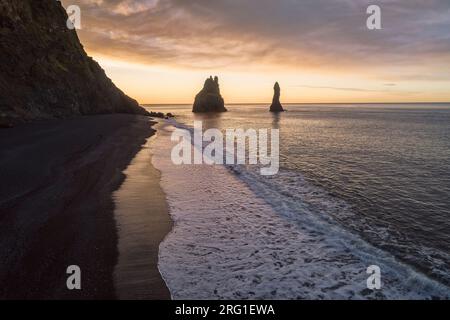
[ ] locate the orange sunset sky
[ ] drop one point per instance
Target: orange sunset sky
(161, 51)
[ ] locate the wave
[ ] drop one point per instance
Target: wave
(238, 235)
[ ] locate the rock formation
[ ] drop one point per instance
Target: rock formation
(45, 72)
(276, 105)
(209, 98)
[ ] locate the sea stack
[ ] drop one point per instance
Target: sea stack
(209, 98)
(276, 105)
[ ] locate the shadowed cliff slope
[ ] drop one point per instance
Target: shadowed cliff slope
(45, 72)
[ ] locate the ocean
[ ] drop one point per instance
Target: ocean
(359, 185)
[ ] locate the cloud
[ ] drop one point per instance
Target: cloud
(349, 89)
(130, 7)
(341, 88)
(295, 34)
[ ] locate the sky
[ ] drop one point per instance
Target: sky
(320, 51)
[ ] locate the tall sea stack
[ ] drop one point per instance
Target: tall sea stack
(45, 72)
(209, 98)
(276, 105)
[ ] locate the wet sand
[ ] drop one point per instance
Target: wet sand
(143, 222)
(56, 206)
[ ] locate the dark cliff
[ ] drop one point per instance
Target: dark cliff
(209, 98)
(45, 72)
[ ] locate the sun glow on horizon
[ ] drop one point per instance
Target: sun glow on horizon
(161, 84)
(161, 51)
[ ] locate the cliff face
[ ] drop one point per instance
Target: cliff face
(276, 104)
(209, 98)
(45, 72)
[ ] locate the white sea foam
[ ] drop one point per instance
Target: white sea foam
(231, 241)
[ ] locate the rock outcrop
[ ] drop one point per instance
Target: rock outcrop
(209, 98)
(45, 72)
(276, 105)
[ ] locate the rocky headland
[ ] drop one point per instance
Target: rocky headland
(59, 173)
(45, 72)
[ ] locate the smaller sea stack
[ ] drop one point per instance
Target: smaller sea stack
(276, 105)
(209, 98)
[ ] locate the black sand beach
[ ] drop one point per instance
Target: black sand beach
(56, 206)
(141, 213)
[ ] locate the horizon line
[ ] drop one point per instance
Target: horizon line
(297, 103)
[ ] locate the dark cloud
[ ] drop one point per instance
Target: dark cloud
(296, 33)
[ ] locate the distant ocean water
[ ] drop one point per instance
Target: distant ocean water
(358, 185)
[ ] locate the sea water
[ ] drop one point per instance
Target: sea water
(359, 185)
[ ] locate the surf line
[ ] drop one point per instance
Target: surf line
(235, 142)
